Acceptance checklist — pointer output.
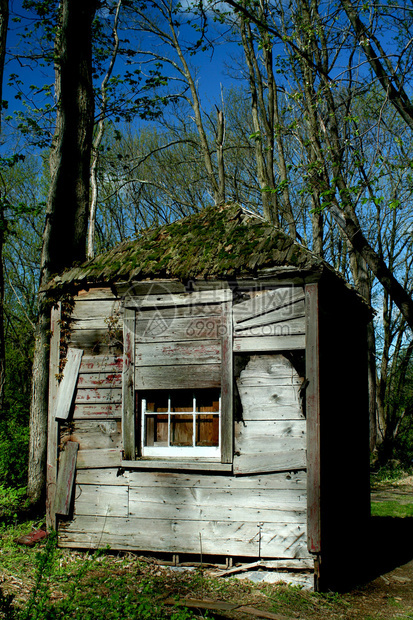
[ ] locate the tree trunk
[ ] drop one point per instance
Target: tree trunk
(4, 20)
(64, 237)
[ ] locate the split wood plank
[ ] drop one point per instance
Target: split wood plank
(67, 385)
(66, 478)
(294, 480)
(214, 296)
(303, 564)
(269, 343)
(52, 424)
(281, 315)
(266, 540)
(285, 328)
(266, 302)
(176, 464)
(178, 353)
(178, 377)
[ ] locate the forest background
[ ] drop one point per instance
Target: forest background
(299, 110)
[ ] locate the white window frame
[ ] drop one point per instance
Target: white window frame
(179, 451)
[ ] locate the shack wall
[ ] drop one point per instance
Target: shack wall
(256, 510)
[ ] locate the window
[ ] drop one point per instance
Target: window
(180, 423)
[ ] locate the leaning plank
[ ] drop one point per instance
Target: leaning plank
(269, 461)
(66, 478)
(177, 377)
(183, 299)
(98, 458)
(266, 540)
(269, 343)
(67, 386)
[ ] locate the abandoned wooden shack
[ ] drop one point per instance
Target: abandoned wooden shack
(213, 405)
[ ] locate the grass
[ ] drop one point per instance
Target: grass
(391, 509)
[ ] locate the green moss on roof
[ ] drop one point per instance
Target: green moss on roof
(217, 242)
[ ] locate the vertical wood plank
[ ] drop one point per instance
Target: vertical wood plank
(227, 381)
(313, 418)
(128, 397)
(67, 385)
(52, 424)
(66, 478)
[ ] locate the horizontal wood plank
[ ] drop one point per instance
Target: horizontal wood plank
(99, 379)
(179, 299)
(101, 364)
(178, 353)
(177, 377)
(94, 434)
(98, 500)
(175, 329)
(270, 462)
(158, 479)
(268, 343)
(174, 536)
(87, 411)
(97, 293)
(98, 458)
(91, 309)
(98, 395)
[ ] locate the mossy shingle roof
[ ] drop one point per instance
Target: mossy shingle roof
(217, 242)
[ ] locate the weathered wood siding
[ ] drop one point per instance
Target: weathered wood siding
(256, 516)
(258, 512)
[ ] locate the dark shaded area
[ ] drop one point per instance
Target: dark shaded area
(387, 544)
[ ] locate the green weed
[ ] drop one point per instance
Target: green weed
(391, 509)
